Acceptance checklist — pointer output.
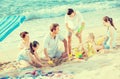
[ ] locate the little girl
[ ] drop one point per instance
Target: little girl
(30, 55)
(89, 48)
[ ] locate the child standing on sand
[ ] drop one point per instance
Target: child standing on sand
(75, 24)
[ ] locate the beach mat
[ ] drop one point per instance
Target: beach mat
(9, 24)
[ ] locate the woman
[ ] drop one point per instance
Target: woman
(110, 40)
(30, 55)
(25, 40)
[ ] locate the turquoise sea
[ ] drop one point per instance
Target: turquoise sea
(37, 9)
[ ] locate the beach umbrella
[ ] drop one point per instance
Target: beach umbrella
(9, 24)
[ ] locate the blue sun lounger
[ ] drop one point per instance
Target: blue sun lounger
(9, 24)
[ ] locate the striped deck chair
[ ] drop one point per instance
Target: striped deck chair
(9, 24)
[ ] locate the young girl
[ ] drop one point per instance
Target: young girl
(90, 47)
(110, 40)
(30, 55)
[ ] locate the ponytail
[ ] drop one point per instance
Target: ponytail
(33, 44)
(31, 49)
(111, 22)
(106, 19)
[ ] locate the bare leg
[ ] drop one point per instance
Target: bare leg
(79, 35)
(69, 43)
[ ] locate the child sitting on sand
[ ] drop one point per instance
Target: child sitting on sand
(92, 47)
(89, 48)
(30, 56)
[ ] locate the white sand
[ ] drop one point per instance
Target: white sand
(100, 66)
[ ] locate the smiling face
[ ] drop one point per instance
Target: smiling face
(54, 28)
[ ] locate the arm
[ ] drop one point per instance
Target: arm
(66, 24)
(61, 38)
(36, 56)
(65, 45)
(81, 21)
(111, 35)
(69, 29)
(35, 60)
(31, 57)
(46, 43)
(46, 54)
(94, 48)
(82, 27)
(21, 46)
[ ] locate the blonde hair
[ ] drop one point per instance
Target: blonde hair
(91, 35)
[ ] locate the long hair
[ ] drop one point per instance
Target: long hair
(33, 44)
(106, 19)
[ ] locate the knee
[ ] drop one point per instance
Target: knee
(76, 34)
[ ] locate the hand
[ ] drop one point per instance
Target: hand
(83, 24)
(50, 62)
(70, 30)
(47, 58)
(64, 54)
(44, 65)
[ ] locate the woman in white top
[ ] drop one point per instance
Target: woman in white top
(74, 24)
(25, 43)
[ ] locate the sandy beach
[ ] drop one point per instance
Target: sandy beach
(99, 66)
